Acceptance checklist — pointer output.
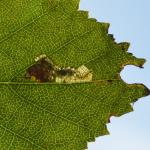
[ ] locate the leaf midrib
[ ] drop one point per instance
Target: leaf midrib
(53, 83)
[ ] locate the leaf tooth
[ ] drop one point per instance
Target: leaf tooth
(83, 14)
(99, 132)
(132, 60)
(124, 45)
(93, 19)
(137, 90)
(111, 37)
(68, 6)
(127, 109)
(105, 26)
(139, 62)
(146, 91)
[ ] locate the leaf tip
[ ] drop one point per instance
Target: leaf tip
(147, 90)
(140, 62)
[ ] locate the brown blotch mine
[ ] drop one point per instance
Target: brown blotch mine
(41, 71)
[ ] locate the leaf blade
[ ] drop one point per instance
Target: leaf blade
(60, 116)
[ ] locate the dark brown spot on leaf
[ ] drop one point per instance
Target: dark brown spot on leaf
(42, 71)
(64, 72)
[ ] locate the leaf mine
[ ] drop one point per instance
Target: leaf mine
(44, 70)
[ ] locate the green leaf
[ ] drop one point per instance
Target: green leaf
(50, 115)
